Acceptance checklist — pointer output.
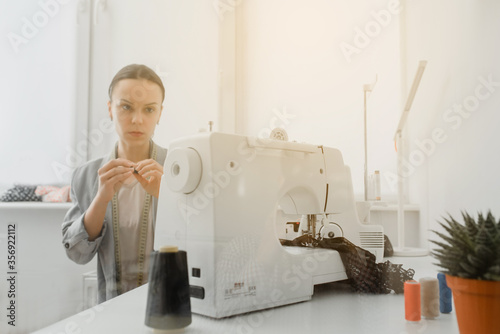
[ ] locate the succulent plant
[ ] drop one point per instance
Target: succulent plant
(470, 250)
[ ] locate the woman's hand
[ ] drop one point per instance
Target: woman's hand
(149, 173)
(111, 177)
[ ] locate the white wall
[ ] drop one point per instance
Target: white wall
(180, 41)
(460, 41)
(46, 111)
(291, 60)
(37, 107)
(192, 48)
(288, 56)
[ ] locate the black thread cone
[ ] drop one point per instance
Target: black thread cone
(168, 305)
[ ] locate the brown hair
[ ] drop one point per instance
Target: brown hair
(136, 71)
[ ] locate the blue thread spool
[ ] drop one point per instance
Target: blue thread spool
(445, 305)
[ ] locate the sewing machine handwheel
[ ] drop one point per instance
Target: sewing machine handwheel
(183, 170)
(331, 230)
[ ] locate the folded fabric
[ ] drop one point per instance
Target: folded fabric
(53, 194)
(365, 275)
(20, 193)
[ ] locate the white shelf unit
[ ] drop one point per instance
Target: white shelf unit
(386, 215)
(48, 283)
(34, 205)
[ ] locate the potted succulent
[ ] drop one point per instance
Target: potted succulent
(469, 253)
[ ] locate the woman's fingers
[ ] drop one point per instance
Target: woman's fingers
(154, 173)
(149, 174)
(110, 181)
(112, 175)
(106, 175)
(149, 180)
(142, 181)
(149, 167)
(120, 177)
(116, 163)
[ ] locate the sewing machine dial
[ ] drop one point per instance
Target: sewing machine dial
(331, 230)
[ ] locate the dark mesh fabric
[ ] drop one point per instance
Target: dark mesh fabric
(365, 275)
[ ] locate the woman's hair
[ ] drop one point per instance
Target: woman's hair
(136, 71)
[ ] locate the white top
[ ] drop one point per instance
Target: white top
(130, 205)
(333, 309)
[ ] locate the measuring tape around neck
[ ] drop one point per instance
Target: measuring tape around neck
(143, 229)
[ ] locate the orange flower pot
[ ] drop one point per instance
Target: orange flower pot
(477, 305)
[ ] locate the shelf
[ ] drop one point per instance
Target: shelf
(34, 205)
(393, 207)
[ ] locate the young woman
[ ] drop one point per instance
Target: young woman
(115, 197)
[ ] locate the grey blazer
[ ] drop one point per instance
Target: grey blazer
(84, 186)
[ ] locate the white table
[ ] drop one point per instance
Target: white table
(333, 309)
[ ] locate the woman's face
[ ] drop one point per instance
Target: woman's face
(135, 108)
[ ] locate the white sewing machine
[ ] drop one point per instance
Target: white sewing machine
(227, 199)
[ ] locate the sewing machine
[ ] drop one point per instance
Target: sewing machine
(227, 199)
